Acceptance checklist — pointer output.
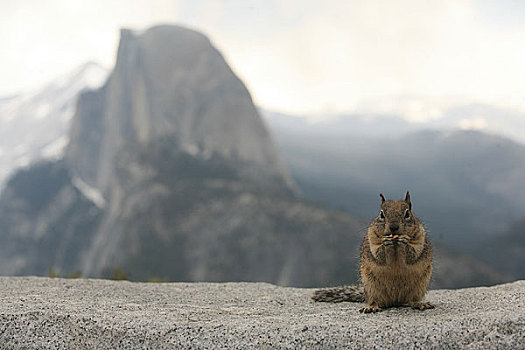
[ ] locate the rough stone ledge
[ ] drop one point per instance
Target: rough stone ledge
(39, 313)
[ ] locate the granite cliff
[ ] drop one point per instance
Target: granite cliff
(170, 82)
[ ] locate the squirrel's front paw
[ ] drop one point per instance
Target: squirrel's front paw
(388, 241)
(403, 240)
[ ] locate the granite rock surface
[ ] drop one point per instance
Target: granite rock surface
(40, 313)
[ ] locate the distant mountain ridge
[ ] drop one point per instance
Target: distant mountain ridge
(35, 125)
(468, 184)
(503, 117)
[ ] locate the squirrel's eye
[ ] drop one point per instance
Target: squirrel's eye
(407, 214)
(381, 214)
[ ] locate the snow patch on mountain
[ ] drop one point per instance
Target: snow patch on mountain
(35, 125)
(89, 192)
(55, 149)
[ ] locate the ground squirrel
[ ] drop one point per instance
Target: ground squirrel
(396, 262)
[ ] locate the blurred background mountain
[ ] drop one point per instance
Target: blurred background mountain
(162, 168)
(35, 125)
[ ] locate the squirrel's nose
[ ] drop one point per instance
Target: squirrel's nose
(394, 228)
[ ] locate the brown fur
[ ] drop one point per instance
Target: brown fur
(396, 260)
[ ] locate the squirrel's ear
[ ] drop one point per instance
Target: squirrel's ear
(407, 199)
(382, 198)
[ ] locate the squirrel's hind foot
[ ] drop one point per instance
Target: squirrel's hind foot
(373, 308)
(421, 306)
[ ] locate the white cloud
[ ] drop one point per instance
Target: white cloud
(301, 56)
(473, 124)
(42, 39)
(331, 56)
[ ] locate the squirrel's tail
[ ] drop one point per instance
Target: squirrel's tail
(338, 294)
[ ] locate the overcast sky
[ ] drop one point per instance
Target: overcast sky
(297, 56)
